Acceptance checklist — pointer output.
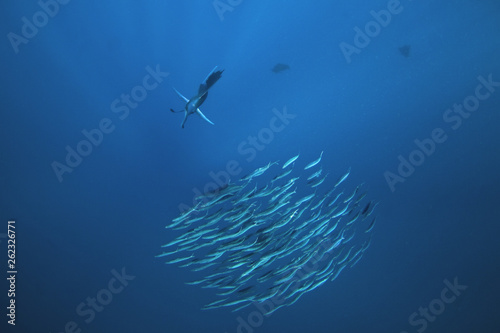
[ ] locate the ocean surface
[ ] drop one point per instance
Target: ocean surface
(94, 165)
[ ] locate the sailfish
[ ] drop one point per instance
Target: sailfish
(193, 104)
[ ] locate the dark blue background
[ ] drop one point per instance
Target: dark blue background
(110, 212)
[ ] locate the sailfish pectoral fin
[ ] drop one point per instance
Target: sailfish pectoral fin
(203, 116)
(180, 95)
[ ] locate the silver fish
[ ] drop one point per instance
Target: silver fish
(290, 161)
(313, 163)
(342, 178)
(255, 241)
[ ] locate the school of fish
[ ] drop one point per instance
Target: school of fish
(276, 241)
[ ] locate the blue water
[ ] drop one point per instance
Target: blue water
(76, 231)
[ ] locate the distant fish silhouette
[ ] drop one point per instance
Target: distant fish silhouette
(280, 68)
(405, 50)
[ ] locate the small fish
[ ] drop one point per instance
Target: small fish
(282, 175)
(304, 199)
(319, 182)
(405, 50)
(354, 262)
(318, 204)
(372, 224)
(341, 179)
(280, 68)
(313, 163)
(366, 208)
(173, 261)
(335, 199)
(349, 198)
(290, 161)
(316, 174)
(258, 171)
(368, 213)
